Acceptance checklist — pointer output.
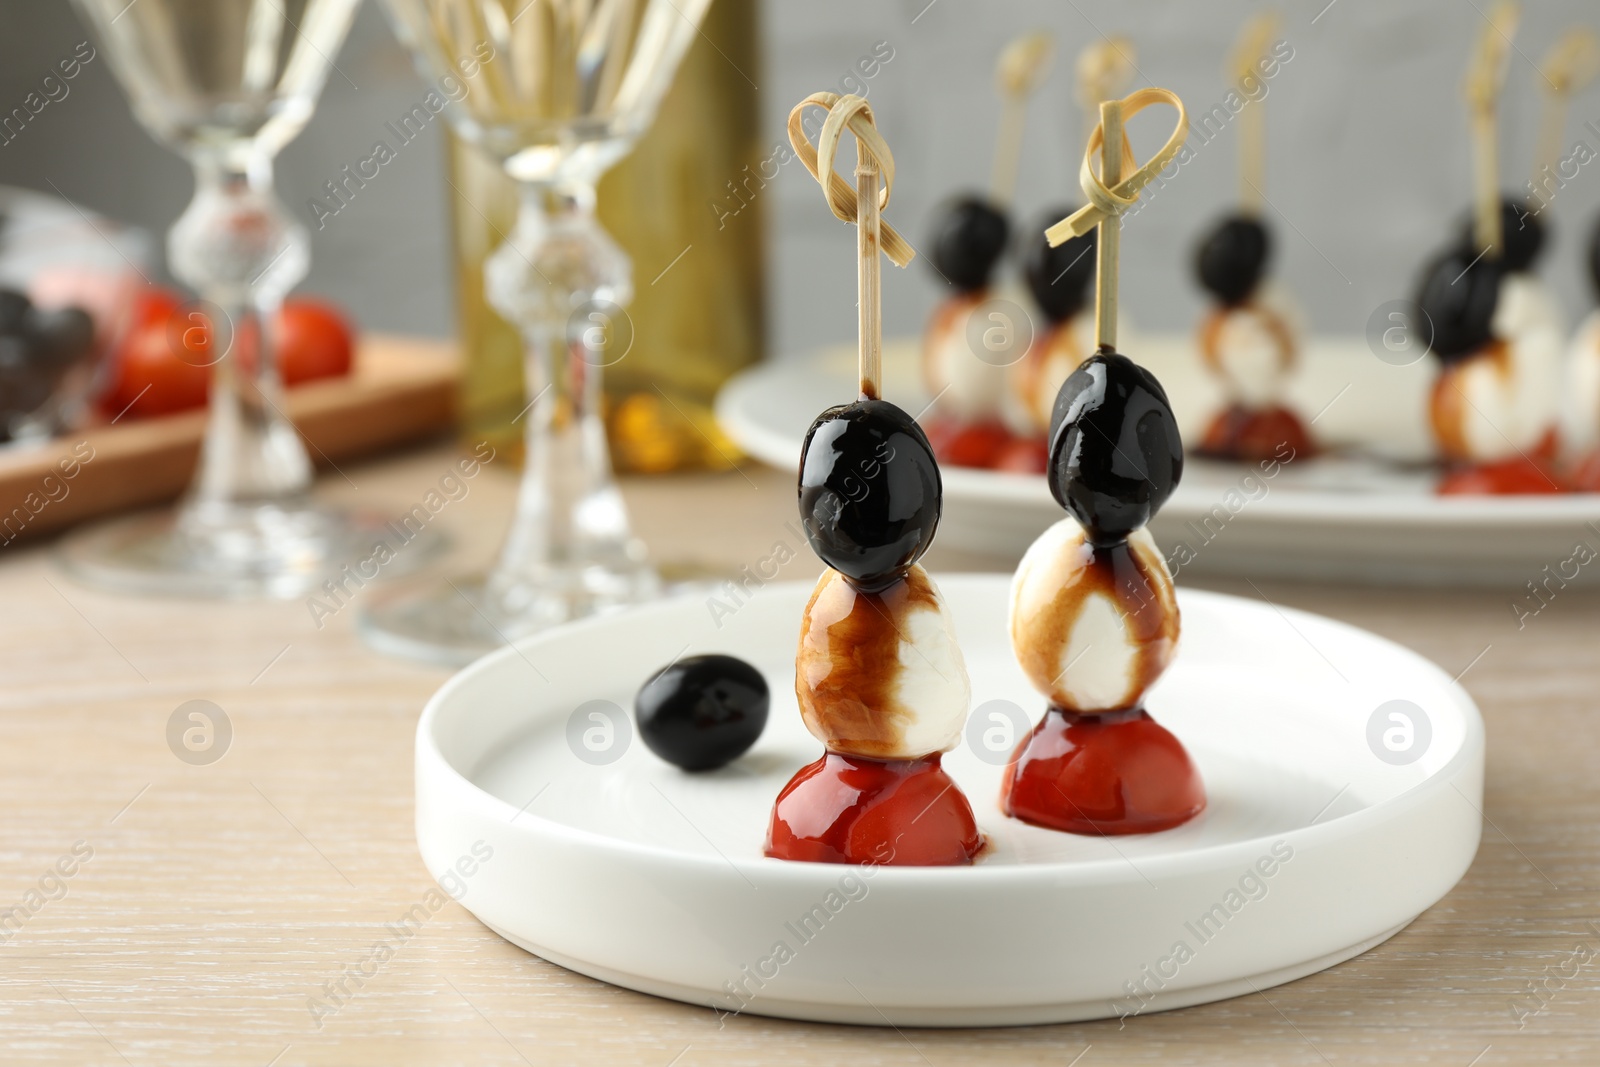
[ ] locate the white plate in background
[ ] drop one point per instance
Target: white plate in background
(1331, 517)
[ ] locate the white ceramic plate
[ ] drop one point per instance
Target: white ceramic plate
(641, 875)
(1346, 518)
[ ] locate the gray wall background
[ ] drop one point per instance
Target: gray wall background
(1367, 149)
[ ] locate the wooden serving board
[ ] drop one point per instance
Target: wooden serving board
(400, 390)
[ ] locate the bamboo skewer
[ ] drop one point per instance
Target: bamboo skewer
(1485, 78)
(862, 205)
(1023, 65)
(1105, 69)
(1108, 249)
(869, 276)
(1486, 184)
(1251, 46)
(1112, 192)
(1572, 63)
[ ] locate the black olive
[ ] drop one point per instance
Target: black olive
(1115, 453)
(1458, 292)
(61, 336)
(14, 307)
(1232, 258)
(1520, 231)
(870, 492)
(1594, 257)
(702, 712)
(1060, 278)
(25, 383)
(969, 237)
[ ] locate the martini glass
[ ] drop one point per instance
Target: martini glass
(226, 84)
(555, 91)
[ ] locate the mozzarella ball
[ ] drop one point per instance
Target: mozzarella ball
(1092, 629)
(966, 387)
(1580, 412)
(1529, 314)
(1253, 346)
(880, 674)
(1526, 303)
(1500, 402)
(1034, 380)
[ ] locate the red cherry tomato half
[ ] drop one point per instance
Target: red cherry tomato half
(163, 365)
(154, 305)
(1024, 455)
(314, 341)
(149, 377)
(1510, 477)
(978, 445)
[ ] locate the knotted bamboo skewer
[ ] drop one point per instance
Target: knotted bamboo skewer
(1110, 194)
(1254, 41)
(862, 205)
(1023, 65)
(1485, 78)
(1572, 62)
(1105, 69)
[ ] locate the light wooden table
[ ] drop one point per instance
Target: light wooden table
(218, 899)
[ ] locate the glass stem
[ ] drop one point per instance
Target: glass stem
(237, 248)
(563, 282)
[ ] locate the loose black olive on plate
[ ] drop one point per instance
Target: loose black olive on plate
(1458, 292)
(1232, 258)
(870, 491)
(1115, 453)
(1520, 230)
(969, 237)
(702, 712)
(1060, 278)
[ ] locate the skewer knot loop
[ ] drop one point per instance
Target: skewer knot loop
(851, 113)
(1104, 202)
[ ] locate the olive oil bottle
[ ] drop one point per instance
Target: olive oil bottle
(696, 311)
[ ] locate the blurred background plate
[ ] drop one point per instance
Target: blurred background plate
(1368, 513)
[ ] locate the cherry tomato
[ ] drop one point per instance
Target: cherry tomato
(162, 365)
(1585, 477)
(1509, 477)
(314, 341)
(978, 445)
(153, 305)
(1024, 455)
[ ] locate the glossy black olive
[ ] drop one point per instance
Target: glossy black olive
(61, 336)
(25, 383)
(1232, 258)
(969, 237)
(702, 712)
(1115, 453)
(1594, 257)
(1520, 231)
(1060, 278)
(14, 307)
(1457, 293)
(870, 492)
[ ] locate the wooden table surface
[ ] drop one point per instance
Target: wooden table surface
(206, 905)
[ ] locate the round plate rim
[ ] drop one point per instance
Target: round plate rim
(429, 755)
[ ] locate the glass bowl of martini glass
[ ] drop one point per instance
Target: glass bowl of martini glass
(226, 84)
(555, 92)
